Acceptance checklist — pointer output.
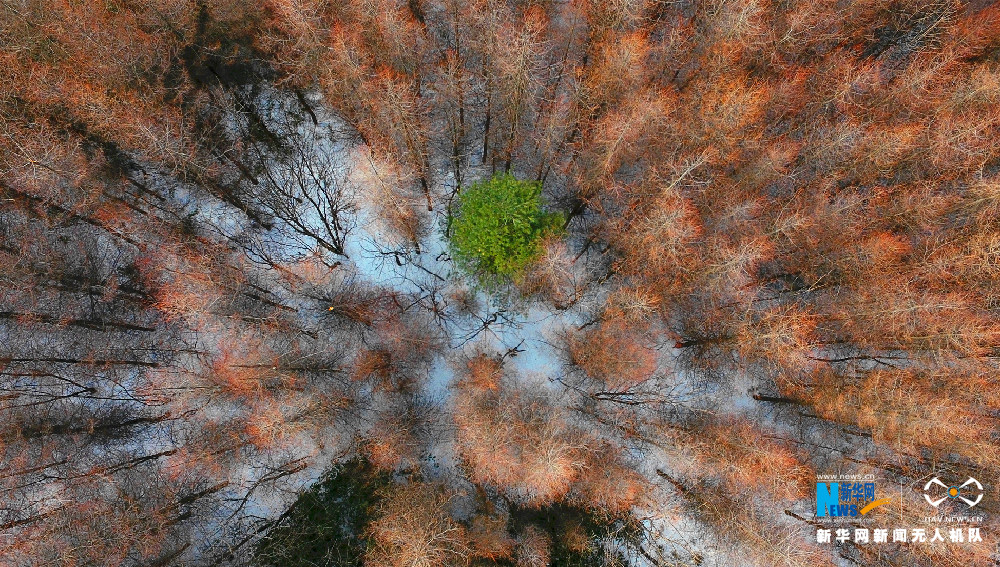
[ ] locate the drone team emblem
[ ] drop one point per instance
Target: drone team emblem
(953, 492)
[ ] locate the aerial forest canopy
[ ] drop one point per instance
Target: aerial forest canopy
(243, 247)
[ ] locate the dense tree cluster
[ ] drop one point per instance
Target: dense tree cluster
(781, 254)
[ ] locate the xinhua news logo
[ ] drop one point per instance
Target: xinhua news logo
(846, 499)
(970, 492)
(840, 496)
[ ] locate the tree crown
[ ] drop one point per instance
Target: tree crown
(498, 225)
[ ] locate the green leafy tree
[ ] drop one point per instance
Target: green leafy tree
(326, 525)
(498, 226)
